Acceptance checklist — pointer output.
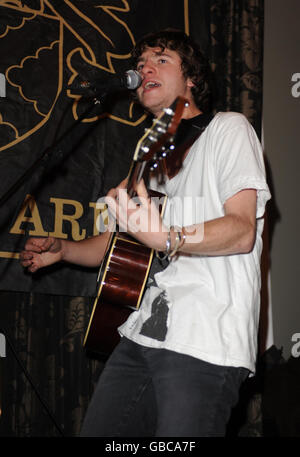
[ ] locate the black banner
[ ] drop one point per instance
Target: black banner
(46, 47)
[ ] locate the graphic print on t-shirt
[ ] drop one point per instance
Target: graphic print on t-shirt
(156, 326)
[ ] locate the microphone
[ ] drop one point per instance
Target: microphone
(131, 80)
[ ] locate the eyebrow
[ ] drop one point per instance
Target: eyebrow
(156, 53)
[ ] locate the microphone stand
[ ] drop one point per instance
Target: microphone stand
(52, 154)
(28, 377)
(55, 155)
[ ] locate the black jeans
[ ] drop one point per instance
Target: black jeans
(155, 392)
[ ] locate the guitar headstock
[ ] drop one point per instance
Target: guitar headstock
(157, 141)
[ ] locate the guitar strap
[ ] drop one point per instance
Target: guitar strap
(188, 131)
(191, 128)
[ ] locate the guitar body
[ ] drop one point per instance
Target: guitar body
(124, 272)
(122, 284)
(123, 276)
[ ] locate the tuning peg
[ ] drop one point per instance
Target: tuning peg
(169, 111)
(152, 138)
(153, 166)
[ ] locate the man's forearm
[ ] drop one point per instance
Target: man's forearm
(227, 235)
(88, 252)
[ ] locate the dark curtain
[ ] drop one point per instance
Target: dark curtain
(46, 330)
(47, 379)
(236, 38)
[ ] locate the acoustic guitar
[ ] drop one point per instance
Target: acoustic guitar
(125, 268)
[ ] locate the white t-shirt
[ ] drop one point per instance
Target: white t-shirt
(208, 306)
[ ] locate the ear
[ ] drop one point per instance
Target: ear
(190, 83)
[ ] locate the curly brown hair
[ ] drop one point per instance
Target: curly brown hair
(193, 63)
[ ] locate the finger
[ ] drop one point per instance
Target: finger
(47, 244)
(112, 193)
(38, 244)
(110, 201)
(142, 193)
(32, 245)
(142, 190)
(26, 263)
(123, 197)
(123, 184)
(26, 255)
(33, 268)
(30, 264)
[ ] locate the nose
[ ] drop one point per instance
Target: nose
(148, 67)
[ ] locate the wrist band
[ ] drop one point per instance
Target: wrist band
(168, 247)
(183, 235)
(179, 242)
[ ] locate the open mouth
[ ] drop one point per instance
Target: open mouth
(151, 85)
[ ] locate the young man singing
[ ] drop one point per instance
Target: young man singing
(184, 354)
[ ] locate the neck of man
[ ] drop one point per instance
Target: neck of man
(188, 112)
(191, 112)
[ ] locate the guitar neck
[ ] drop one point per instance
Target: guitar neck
(136, 173)
(154, 141)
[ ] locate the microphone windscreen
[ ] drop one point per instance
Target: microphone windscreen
(134, 79)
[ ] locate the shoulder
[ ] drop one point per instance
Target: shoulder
(224, 122)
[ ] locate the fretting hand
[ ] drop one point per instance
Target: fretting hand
(138, 216)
